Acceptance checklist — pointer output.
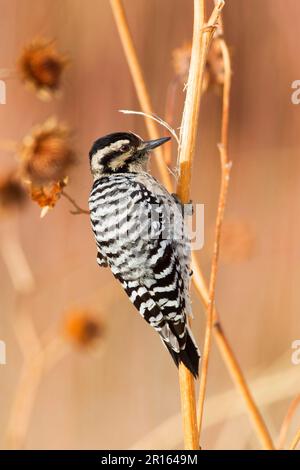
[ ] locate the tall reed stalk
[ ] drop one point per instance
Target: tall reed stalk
(202, 36)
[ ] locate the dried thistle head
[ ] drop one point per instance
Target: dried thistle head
(47, 153)
(41, 66)
(83, 328)
(181, 58)
(47, 195)
(214, 69)
(12, 193)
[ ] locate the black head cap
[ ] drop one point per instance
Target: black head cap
(109, 139)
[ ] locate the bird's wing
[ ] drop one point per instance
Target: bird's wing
(161, 302)
(171, 227)
(159, 299)
(154, 266)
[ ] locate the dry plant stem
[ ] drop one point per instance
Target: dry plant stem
(224, 407)
(14, 258)
(24, 328)
(295, 441)
(188, 408)
(169, 115)
(23, 403)
(241, 384)
(202, 289)
(212, 287)
(188, 135)
(185, 378)
(231, 361)
(155, 118)
(207, 294)
(287, 420)
(225, 173)
(225, 102)
(33, 368)
(202, 36)
(30, 346)
(78, 209)
(139, 82)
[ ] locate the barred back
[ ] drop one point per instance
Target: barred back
(140, 235)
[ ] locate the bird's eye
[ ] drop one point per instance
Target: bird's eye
(125, 148)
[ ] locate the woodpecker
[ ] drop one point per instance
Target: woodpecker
(140, 235)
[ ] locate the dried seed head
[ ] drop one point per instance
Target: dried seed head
(214, 70)
(41, 67)
(181, 58)
(83, 328)
(47, 153)
(47, 195)
(12, 193)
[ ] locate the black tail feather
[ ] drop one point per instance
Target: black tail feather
(189, 356)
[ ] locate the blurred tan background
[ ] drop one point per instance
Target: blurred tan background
(114, 397)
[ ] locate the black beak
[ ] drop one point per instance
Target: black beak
(152, 144)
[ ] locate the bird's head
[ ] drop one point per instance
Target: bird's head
(121, 152)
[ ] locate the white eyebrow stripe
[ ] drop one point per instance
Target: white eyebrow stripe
(111, 148)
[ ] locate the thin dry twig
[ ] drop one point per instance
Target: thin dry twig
(230, 360)
(169, 114)
(225, 169)
(14, 257)
(164, 124)
(198, 278)
(25, 395)
(223, 406)
(156, 119)
(188, 132)
(295, 441)
(241, 384)
(34, 355)
(287, 421)
(23, 403)
(212, 287)
(16, 263)
(24, 328)
(139, 82)
(208, 294)
(78, 209)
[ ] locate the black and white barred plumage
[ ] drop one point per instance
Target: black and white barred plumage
(139, 231)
